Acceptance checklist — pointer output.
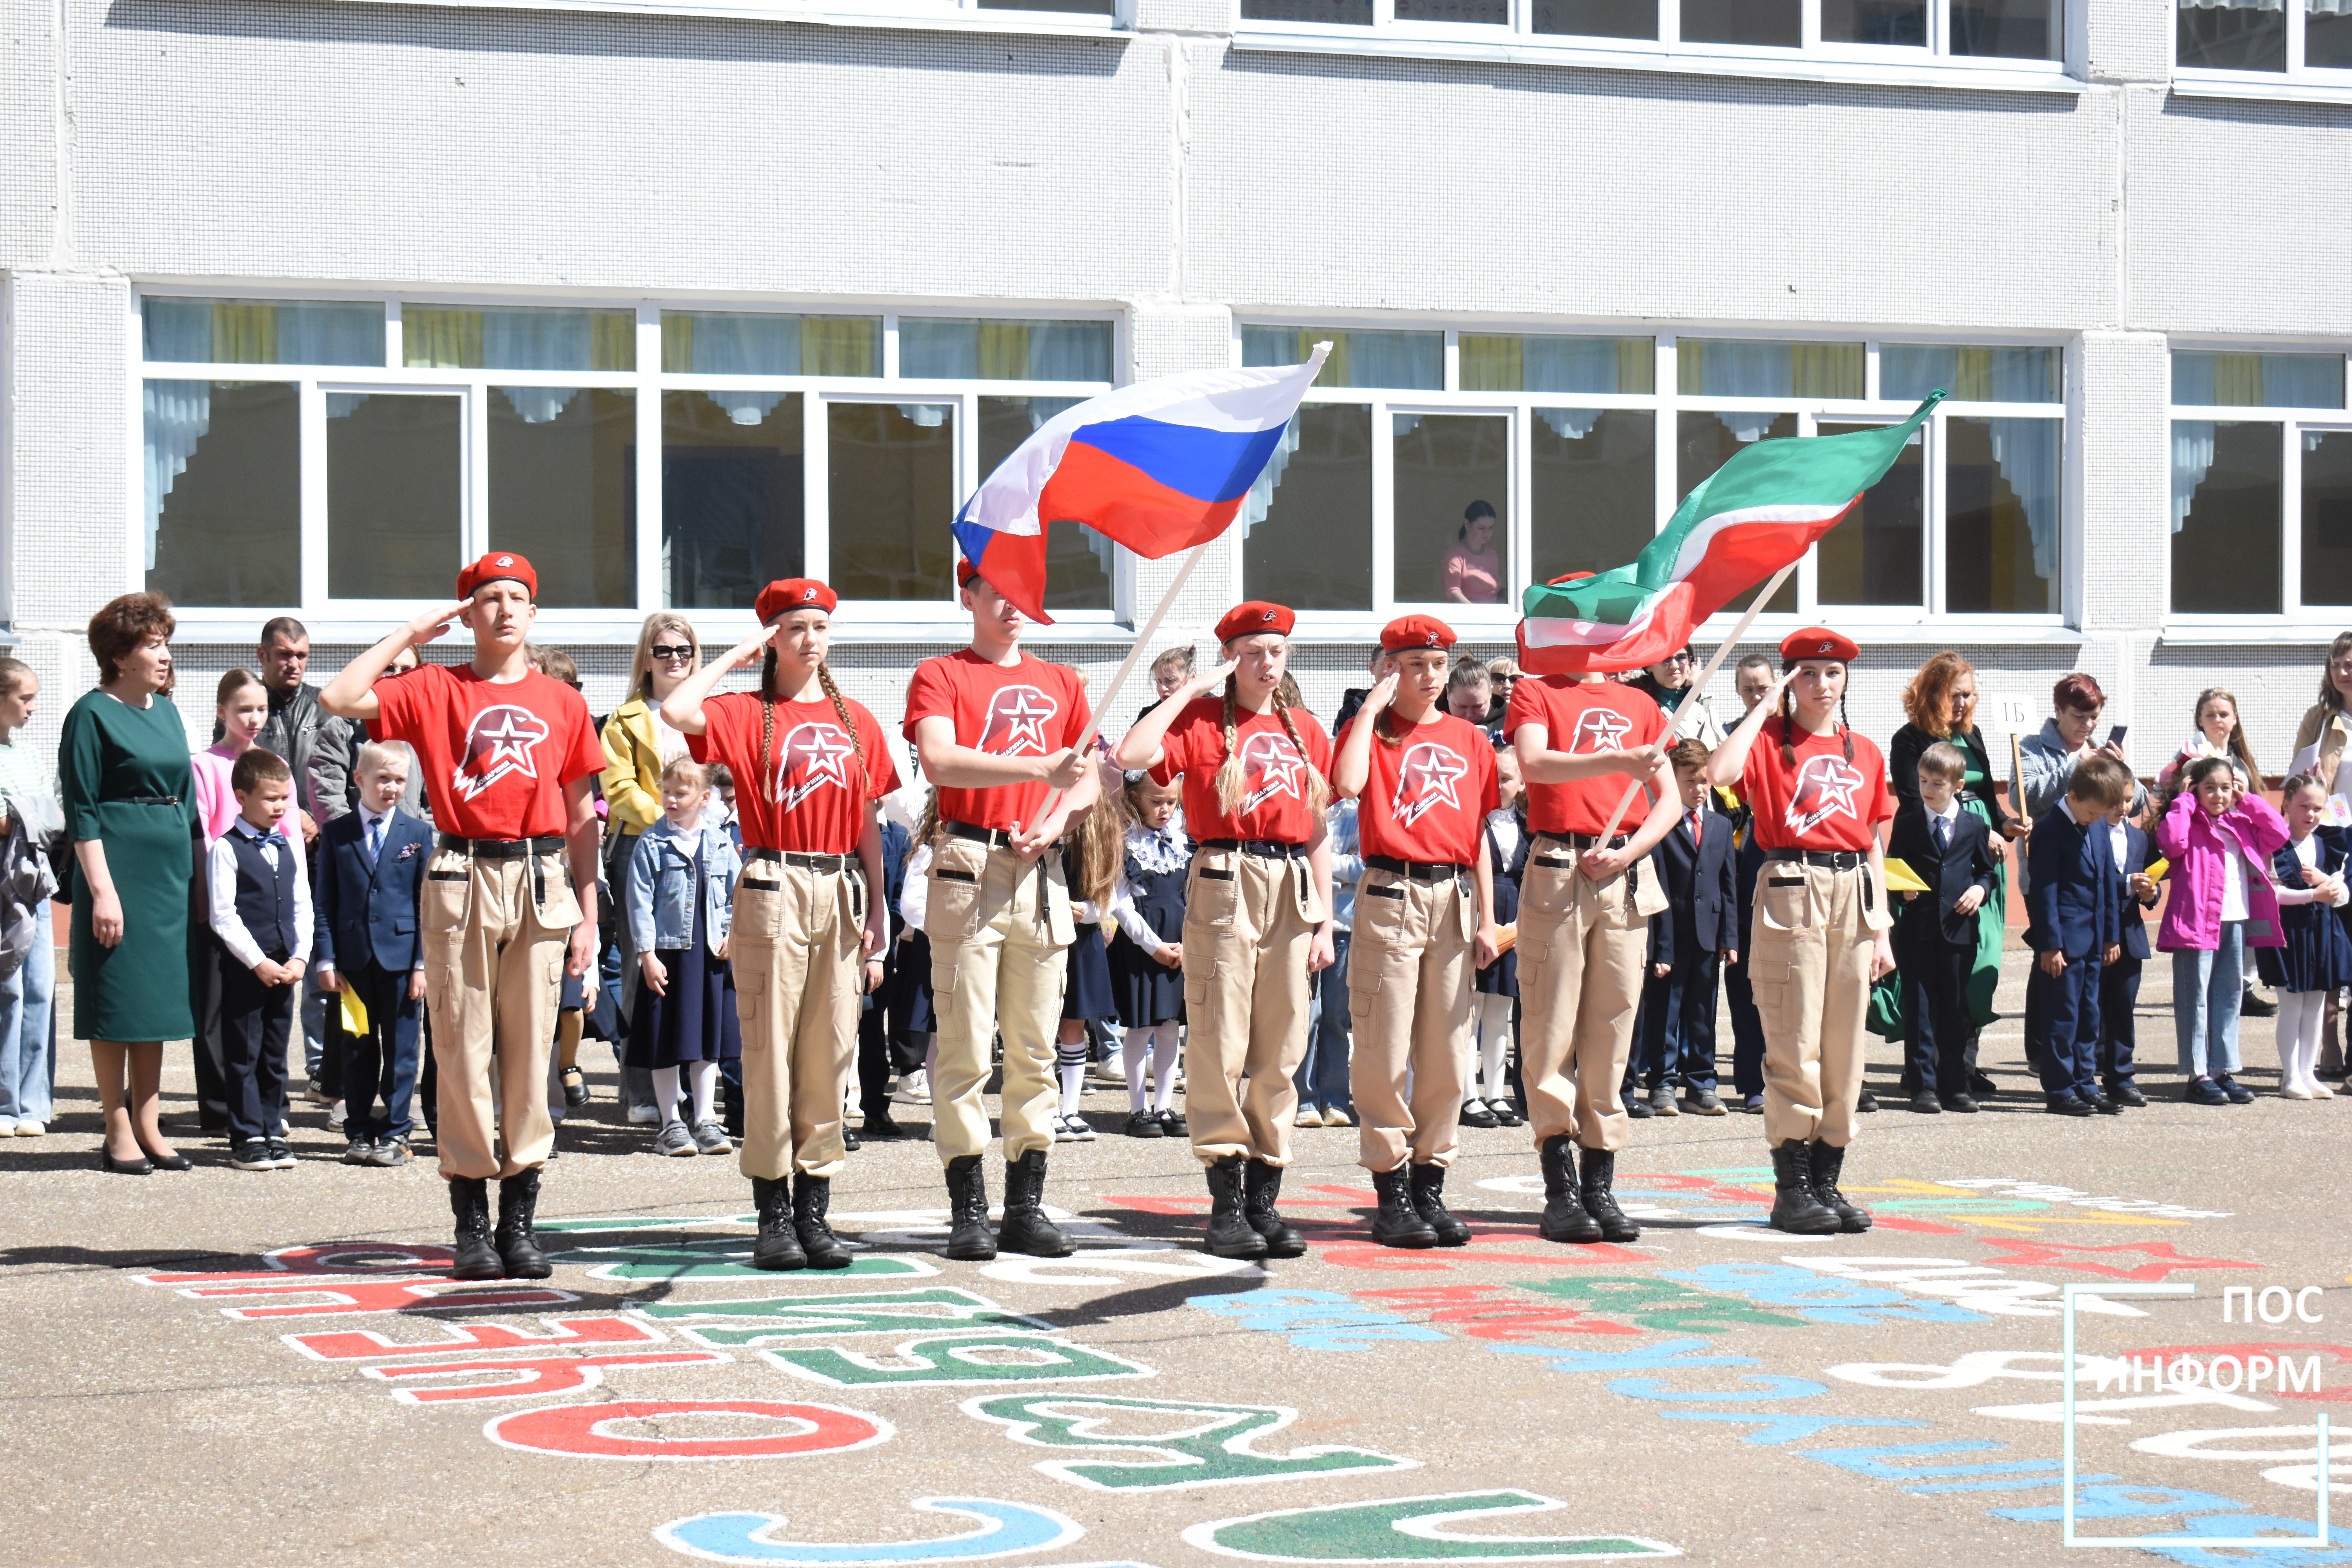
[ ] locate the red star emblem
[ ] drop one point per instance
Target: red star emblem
(1016, 720)
(1426, 780)
(1825, 787)
(818, 749)
(2164, 1260)
(1600, 730)
(499, 741)
(1271, 764)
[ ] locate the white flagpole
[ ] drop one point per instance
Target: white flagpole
(1728, 643)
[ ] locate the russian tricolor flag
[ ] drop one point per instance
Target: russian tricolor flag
(1159, 467)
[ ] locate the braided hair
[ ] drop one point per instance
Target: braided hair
(1233, 787)
(768, 698)
(1788, 719)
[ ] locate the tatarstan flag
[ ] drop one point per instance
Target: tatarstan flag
(1756, 514)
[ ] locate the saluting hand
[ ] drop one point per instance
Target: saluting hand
(431, 624)
(1208, 679)
(1383, 693)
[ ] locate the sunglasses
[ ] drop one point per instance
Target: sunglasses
(661, 652)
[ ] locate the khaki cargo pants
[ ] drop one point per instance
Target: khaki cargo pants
(1249, 922)
(1808, 963)
(496, 935)
(1583, 945)
(1408, 974)
(800, 971)
(1001, 930)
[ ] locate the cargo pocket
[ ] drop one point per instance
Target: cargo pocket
(1783, 901)
(951, 912)
(554, 904)
(1061, 925)
(1767, 980)
(448, 893)
(1199, 983)
(1362, 1000)
(1213, 891)
(1533, 955)
(752, 995)
(1649, 888)
(943, 988)
(1550, 887)
(1380, 908)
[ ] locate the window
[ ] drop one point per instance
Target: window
(1885, 30)
(2279, 40)
(1450, 470)
(640, 457)
(2262, 484)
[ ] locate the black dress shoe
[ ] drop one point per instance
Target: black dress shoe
(2122, 1091)
(1982, 1086)
(1476, 1114)
(2067, 1105)
(849, 1140)
(2257, 1006)
(880, 1127)
(167, 1162)
(114, 1167)
(1868, 1102)
(1925, 1104)
(1959, 1103)
(2104, 1106)
(1638, 1107)
(2238, 1093)
(575, 1089)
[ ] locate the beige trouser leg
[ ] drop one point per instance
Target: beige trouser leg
(1581, 947)
(1000, 933)
(1810, 966)
(495, 932)
(798, 975)
(1249, 922)
(1408, 974)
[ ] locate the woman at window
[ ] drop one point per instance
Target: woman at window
(1473, 570)
(1689, 715)
(122, 772)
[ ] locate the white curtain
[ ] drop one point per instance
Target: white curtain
(1570, 365)
(1413, 361)
(331, 334)
(1069, 350)
(2249, 4)
(1730, 367)
(2192, 455)
(746, 345)
(536, 340)
(2026, 451)
(539, 405)
(178, 413)
(341, 405)
(1261, 496)
(945, 351)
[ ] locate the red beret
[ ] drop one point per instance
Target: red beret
(498, 564)
(1819, 642)
(966, 570)
(1416, 631)
(1255, 617)
(793, 594)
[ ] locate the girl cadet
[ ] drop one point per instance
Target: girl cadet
(1258, 913)
(1818, 793)
(811, 766)
(1424, 781)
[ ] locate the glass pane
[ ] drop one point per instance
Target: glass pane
(1306, 527)
(1599, 18)
(396, 466)
(703, 343)
(733, 496)
(2327, 516)
(2328, 33)
(1496, 13)
(2231, 35)
(1557, 364)
(1087, 8)
(2011, 29)
(1003, 350)
(1594, 497)
(262, 332)
(1907, 372)
(1703, 443)
(223, 491)
(2257, 381)
(1412, 362)
(1777, 24)
(563, 491)
(1872, 556)
(891, 471)
(2226, 496)
(1875, 22)
(1077, 559)
(1447, 466)
(2002, 542)
(1743, 367)
(1347, 13)
(440, 339)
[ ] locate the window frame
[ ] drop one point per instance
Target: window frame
(879, 620)
(2297, 80)
(1928, 621)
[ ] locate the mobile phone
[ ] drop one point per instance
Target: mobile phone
(2115, 735)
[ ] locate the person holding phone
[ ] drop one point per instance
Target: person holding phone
(2049, 757)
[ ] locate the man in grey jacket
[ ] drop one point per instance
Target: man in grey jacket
(330, 779)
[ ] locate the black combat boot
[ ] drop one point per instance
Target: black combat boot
(469, 1200)
(1426, 1185)
(1398, 1222)
(1230, 1234)
(1826, 1161)
(778, 1245)
(969, 1237)
(1794, 1208)
(1262, 1184)
(518, 1203)
(1026, 1228)
(811, 1195)
(1600, 1176)
(1564, 1219)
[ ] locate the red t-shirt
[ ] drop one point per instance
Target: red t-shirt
(1031, 709)
(1426, 797)
(1822, 802)
(496, 756)
(1582, 717)
(812, 802)
(1273, 775)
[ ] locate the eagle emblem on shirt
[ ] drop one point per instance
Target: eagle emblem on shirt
(1825, 787)
(1017, 716)
(816, 752)
(1600, 730)
(1427, 781)
(1271, 765)
(499, 741)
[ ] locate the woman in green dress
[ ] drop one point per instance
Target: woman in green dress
(122, 769)
(1941, 702)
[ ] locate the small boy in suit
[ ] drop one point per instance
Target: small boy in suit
(1936, 935)
(370, 884)
(2119, 982)
(1698, 931)
(2074, 925)
(260, 910)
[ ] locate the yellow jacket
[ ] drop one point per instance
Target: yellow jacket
(632, 767)
(2325, 728)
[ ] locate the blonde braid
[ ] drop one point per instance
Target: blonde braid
(1232, 787)
(848, 728)
(1318, 792)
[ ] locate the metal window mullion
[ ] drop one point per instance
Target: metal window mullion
(1809, 27)
(653, 592)
(2294, 50)
(2291, 518)
(474, 527)
(1666, 438)
(134, 537)
(1519, 568)
(816, 482)
(1808, 565)
(1935, 574)
(394, 336)
(1384, 509)
(311, 496)
(1670, 21)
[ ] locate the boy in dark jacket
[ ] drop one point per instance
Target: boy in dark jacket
(2134, 852)
(1951, 851)
(1690, 939)
(371, 879)
(2074, 925)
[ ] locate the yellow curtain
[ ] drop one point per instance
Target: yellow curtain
(2237, 380)
(1003, 350)
(613, 340)
(840, 345)
(441, 339)
(1972, 375)
(1825, 369)
(245, 334)
(1492, 365)
(1637, 363)
(1335, 369)
(678, 344)
(1686, 364)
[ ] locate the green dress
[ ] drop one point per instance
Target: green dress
(1992, 916)
(124, 774)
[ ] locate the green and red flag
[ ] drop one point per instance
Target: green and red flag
(1756, 514)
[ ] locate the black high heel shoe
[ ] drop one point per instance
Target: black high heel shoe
(114, 1167)
(166, 1161)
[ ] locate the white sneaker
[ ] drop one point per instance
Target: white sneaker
(2296, 1091)
(643, 1115)
(28, 1128)
(315, 1095)
(336, 1113)
(1109, 1073)
(1309, 1115)
(915, 1089)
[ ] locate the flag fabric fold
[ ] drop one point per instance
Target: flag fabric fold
(1159, 467)
(1756, 514)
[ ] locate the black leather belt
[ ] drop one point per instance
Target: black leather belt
(1591, 841)
(1265, 848)
(994, 837)
(149, 800)
(806, 862)
(498, 848)
(1418, 870)
(1827, 859)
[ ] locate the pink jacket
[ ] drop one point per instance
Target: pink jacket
(2192, 840)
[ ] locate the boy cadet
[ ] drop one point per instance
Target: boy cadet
(508, 756)
(1000, 736)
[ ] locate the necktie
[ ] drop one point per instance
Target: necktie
(1943, 834)
(1697, 826)
(374, 839)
